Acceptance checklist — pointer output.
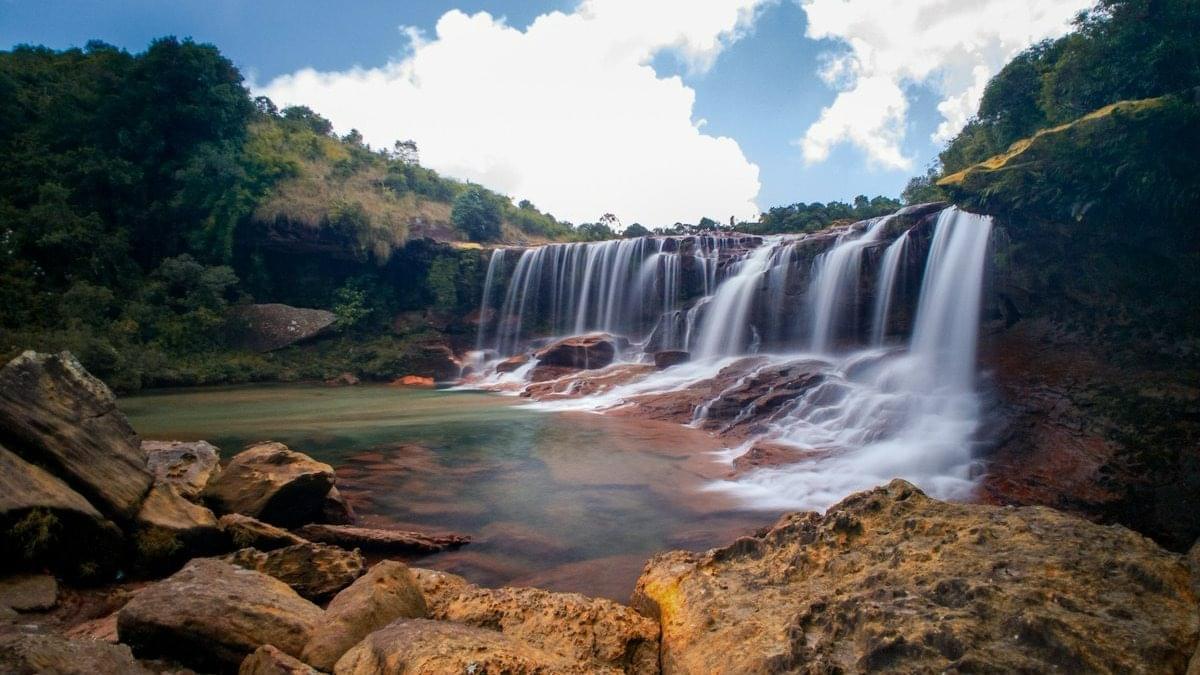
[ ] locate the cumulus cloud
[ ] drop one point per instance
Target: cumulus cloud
(567, 113)
(952, 46)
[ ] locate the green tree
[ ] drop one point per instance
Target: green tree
(477, 213)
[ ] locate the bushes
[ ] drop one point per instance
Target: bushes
(477, 213)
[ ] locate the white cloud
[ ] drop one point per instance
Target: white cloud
(953, 46)
(567, 113)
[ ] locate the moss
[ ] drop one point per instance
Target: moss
(36, 534)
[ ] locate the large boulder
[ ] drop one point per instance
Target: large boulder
(274, 326)
(385, 593)
(670, 357)
(29, 592)
(373, 539)
(170, 530)
(247, 532)
(439, 648)
(41, 653)
(55, 414)
(46, 524)
(187, 465)
(315, 571)
(891, 580)
(269, 482)
(595, 350)
(267, 660)
(211, 615)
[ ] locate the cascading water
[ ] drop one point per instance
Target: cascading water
(889, 272)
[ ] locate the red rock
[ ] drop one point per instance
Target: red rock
(512, 363)
(595, 350)
(414, 381)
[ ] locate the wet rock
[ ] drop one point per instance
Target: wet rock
(577, 384)
(315, 571)
(273, 484)
(388, 591)
(186, 465)
(767, 455)
(547, 373)
(762, 395)
(38, 654)
(29, 592)
(267, 660)
(46, 524)
(512, 363)
(670, 357)
(414, 381)
(170, 530)
(441, 648)
(273, 326)
(595, 350)
(343, 380)
(891, 580)
(247, 532)
(371, 539)
(335, 510)
(211, 615)
(55, 414)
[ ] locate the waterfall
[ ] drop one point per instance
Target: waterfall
(889, 270)
(723, 326)
(836, 275)
(489, 281)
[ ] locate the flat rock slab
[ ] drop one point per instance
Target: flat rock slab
(395, 541)
(273, 326)
(37, 653)
(187, 465)
(29, 592)
(247, 532)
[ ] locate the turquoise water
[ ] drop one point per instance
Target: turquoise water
(567, 501)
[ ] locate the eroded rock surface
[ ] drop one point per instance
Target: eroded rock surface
(267, 660)
(170, 528)
(315, 571)
(366, 538)
(247, 532)
(273, 326)
(273, 484)
(29, 592)
(891, 580)
(595, 350)
(41, 654)
(187, 465)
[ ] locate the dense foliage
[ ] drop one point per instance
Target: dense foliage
(478, 214)
(811, 217)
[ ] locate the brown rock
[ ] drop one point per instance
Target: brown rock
(45, 524)
(38, 654)
(273, 326)
(580, 383)
(512, 363)
(595, 350)
(335, 510)
(267, 660)
(211, 615)
(247, 532)
(343, 380)
(55, 414)
(767, 455)
(186, 465)
(29, 592)
(1193, 558)
(171, 530)
(315, 571)
(370, 539)
(416, 381)
(385, 593)
(439, 648)
(438, 588)
(548, 373)
(891, 580)
(670, 357)
(273, 484)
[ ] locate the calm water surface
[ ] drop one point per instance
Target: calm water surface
(566, 501)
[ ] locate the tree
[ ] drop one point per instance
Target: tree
(635, 230)
(477, 213)
(406, 152)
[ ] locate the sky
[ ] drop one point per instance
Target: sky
(655, 110)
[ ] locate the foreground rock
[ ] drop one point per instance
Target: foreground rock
(274, 326)
(247, 532)
(171, 530)
(440, 648)
(29, 592)
(55, 414)
(188, 466)
(670, 357)
(211, 615)
(38, 654)
(369, 539)
(267, 660)
(315, 571)
(891, 580)
(273, 484)
(385, 593)
(585, 352)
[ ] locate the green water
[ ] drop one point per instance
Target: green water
(567, 501)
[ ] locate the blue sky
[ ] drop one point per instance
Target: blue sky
(761, 87)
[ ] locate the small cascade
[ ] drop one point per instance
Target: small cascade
(836, 275)
(724, 326)
(889, 272)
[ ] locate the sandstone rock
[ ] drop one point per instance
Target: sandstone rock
(385, 593)
(38, 654)
(44, 523)
(542, 373)
(415, 381)
(211, 615)
(273, 484)
(512, 363)
(186, 465)
(335, 510)
(1193, 558)
(29, 592)
(170, 530)
(765, 455)
(891, 580)
(600, 634)
(440, 648)
(580, 383)
(267, 660)
(438, 588)
(315, 571)
(273, 326)
(343, 380)
(55, 414)
(594, 350)
(370, 539)
(670, 357)
(247, 532)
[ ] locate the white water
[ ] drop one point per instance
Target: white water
(889, 271)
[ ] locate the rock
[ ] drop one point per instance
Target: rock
(343, 380)
(599, 634)
(415, 381)
(273, 484)
(1193, 558)
(595, 350)
(246, 532)
(170, 530)
(211, 615)
(55, 414)
(370, 539)
(29, 592)
(512, 363)
(440, 648)
(315, 571)
(767, 455)
(267, 660)
(438, 587)
(38, 654)
(45, 524)
(273, 326)
(335, 510)
(580, 383)
(385, 593)
(891, 580)
(186, 465)
(547, 373)
(670, 357)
